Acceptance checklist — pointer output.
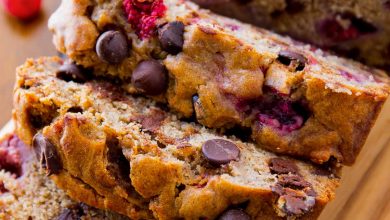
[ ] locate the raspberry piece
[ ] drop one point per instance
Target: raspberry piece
(10, 157)
(142, 15)
(282, 117)
(22, 9)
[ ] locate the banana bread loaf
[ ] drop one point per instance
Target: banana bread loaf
(113, 151)
(293, 98)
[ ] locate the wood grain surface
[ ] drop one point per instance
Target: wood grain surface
(364, 193)
(18, 41)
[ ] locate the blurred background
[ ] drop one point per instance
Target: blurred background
(20, 40)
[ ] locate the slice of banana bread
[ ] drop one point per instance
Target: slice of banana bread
(26, 193)
(126, 154)
(293, 98)
(358, 29)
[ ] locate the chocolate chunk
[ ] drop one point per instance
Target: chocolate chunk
(296, 195)
(71, 72)
(47, 154)
(150, 76)
(282, 166)
(295, 203)
(171, 37)
(292, 58)
(219, 151)
(112, 47)
(293, 182)
(234, 214)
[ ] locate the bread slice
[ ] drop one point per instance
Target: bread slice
(114, 151)
(293, 98)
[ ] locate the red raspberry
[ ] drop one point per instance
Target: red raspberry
(22, 9)
(142, 15)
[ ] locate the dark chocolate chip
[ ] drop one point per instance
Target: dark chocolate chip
(150, 77)
(282, 166)
(47, 154)
(171, 37)
(71, 72)
(288, 57)
(112, 47)
(234, 214)
(219, 151)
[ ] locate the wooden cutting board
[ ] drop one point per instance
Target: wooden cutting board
(364, 193)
